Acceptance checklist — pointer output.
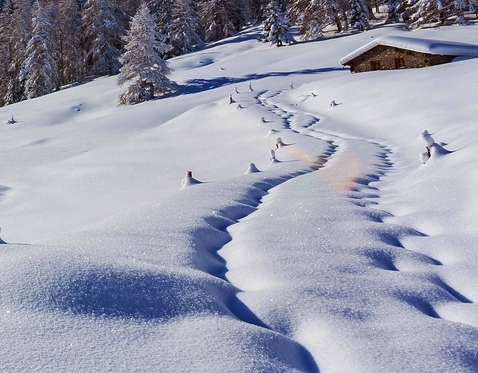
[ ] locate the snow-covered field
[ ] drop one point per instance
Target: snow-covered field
(344, 254)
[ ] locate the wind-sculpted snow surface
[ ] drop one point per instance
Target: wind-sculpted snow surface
(307, 237)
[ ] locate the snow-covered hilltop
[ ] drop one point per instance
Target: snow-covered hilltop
(339, 251)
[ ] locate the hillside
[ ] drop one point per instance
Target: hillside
(344, 253)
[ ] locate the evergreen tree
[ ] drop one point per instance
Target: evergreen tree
(183, 33)
(40, 67)
(17, 33)
(223, 18)
(427, 11)
(68, 40)
(162, 11)
(5, 50)
(358, 15)
(102, 33)
(276, 26)
(143, 66)
(313, 16)
(460, 7)
(394, 9)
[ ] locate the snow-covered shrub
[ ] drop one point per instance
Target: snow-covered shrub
(189, 180)
(432, 148)
(279, 143)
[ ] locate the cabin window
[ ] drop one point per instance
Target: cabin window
(375, 65)
(399, 63)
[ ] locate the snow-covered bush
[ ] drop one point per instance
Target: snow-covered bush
(189, 180)
(432, 148)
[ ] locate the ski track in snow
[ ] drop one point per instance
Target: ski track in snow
(364, 192)
(113, 291)
(366, 195)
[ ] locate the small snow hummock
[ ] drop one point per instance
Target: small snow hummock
(252, 169)
(189, 180)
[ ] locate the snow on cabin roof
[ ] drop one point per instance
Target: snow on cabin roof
(437, 47)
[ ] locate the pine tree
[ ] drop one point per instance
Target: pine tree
(460, 7)
(162, 11)
(183, 33)
(68, 40)
(394, 10)
(142, 62)
(223, 18)
(427, 11)
(5, 51)
(358, 15)
(17, 31)
(102, 33)
(40, 67)
(257, 10)
(313, 16)
(276, 26)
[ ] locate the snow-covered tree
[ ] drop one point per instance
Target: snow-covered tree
(313, 16)
(395, 8)
(183, 30)
(40, 69)
(15, 31)
(102, 37)
(162, 11)
(474, 7)
(460, 7)
(257, 8)
(68, 40)
(428, 11)
(143, 66)
(276, 25)
(223, 18)
(358, 15)
(5, 52)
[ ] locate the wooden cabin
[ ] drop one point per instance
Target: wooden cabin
(399, 52)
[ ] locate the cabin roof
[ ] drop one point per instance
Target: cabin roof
(436, 47)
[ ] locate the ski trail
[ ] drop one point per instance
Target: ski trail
(354, 173)
(365, 193)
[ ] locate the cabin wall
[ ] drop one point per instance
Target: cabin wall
(390, 58)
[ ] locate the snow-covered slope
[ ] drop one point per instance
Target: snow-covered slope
(344, 253)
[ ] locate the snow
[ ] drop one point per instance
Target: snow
(344, 254)
(417, 44)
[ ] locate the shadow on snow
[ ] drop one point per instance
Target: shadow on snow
(199, 85)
